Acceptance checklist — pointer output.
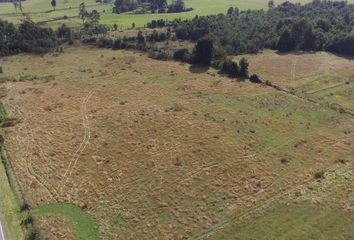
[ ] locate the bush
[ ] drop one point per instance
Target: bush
(1, 71)
(319, 175)
(217, 64)
(255, 79)
(159, 55)
(105, 43)
(182, 55)
(32, 234)
(89, 40)
(230, 67)
(24, 207)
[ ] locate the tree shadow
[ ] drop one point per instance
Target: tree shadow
(297, 53)
(348, 57)
(198, 68)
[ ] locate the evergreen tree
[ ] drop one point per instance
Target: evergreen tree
(244, 67)
(285, 43)
(204, 52)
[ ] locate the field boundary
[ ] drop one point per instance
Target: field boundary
(333, 106)
(10, 174)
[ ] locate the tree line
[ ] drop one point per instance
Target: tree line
(316, 26)
(155, 6)
(26, 37)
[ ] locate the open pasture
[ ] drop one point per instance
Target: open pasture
(41, 11)
(161, 150)
(321, 76)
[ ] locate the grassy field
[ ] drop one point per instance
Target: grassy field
(82, 226)
(157, 148)
(294, 222)
(322, 76)
(41, 11)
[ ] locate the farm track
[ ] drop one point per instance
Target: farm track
(325, 88)
(83, 144)
(263, 205)
(293, 70)
(28, 156)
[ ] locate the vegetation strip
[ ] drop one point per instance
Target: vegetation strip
(11, 198)
(83, 224)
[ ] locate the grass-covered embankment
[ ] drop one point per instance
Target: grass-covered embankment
(9, 196)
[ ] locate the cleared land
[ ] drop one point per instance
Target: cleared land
(41, 11)
(320, 76)
(159, 150)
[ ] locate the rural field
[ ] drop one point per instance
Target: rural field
(149, 149)
(42, 12)
(321, 76)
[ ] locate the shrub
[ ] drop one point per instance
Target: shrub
(319, 175)
(104, 43)
(159, 55)
(217, 64)
(24, 207)
(230, 67)
(89, 40)
(255, 79)
(181, 55)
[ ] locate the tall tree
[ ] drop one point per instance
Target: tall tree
(176, 6)
(302, 33)
(230, 11)
(243, 67)
(94, 17)
(271, 4)
(82, 12)
(285, 43)
(204, 52)
(53, 3)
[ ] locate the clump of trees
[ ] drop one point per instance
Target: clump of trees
(142, 6)
(26, 37)
(233, 69)
(90, 21)
(318, 25)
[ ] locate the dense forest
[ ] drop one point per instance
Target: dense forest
(319, 25)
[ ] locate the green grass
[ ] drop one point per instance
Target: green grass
(83, 225)
(9, 208)
(9, 205)
(294, 222)
(41, 10)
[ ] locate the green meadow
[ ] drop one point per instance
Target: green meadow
(41, 11)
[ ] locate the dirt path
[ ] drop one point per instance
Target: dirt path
(83, 144)
(28, 142)
(293, 70)
(325, 88)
